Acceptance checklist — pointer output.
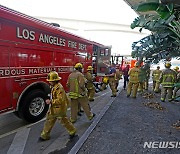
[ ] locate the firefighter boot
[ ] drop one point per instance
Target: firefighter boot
(92, 116)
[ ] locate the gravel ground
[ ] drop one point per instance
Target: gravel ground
(129, 123)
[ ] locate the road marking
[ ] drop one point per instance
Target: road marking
(102, 94)
(19, 142)
(20, 128)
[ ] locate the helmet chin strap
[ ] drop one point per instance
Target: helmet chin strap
(80, 70)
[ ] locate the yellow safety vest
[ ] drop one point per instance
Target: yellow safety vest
(166, 83)
(75, 95)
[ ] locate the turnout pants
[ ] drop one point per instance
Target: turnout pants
(132, 87)
(156, 85)
(166, 91)
(83, 101)
(50, 121)
(103, 86)
(140, 87)
(112, 84)
(91, 93)
(175, 91)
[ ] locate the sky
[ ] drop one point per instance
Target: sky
(111, 11)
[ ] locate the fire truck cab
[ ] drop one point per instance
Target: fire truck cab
(101, 62)
(101, 58)
(30, 49)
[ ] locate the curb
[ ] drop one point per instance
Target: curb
(86, 134)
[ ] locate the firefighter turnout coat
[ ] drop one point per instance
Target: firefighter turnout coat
(156, 82)
(78, 94)
(167, 80)
(133, 81)
(177, 85)
(57, 110)
(90, 86)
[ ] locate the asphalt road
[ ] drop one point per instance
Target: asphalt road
(129, 123)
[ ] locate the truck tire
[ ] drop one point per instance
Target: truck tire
(33, 107)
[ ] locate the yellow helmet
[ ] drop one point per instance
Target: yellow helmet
(53, 76)
(105, 79)
(78, 65)
(176, 68)
(90, 68)
(167, 64)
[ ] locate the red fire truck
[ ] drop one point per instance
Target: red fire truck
(30, 49)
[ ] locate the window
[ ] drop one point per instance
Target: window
(106, 52)
(102, 53)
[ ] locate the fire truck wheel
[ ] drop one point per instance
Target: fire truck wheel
(33, 106)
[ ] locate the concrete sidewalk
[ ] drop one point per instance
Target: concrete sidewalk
(128, 124)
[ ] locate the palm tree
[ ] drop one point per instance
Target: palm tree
(164, 42)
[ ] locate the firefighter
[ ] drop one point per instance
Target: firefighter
(177, 86)
(58, 107)
(118, 76)
(112, 81)
(167, 80)
(133, 81)
(89, 85)
(176, 69)
(78, 93)
(142, 79)
(105, 81)
(148, 71)
(155, 76)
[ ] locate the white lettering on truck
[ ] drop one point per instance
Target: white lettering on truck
(52, 40)
(6, 72)
(25, 34)
(11, 72)
(48, 39)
